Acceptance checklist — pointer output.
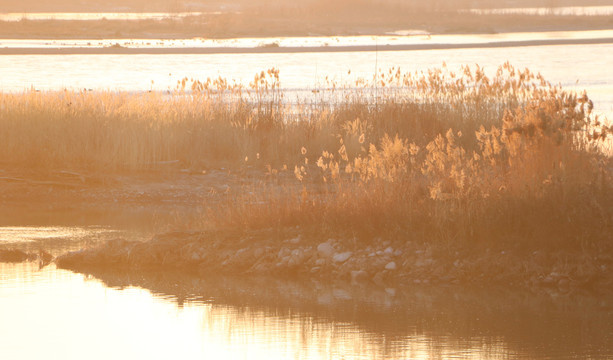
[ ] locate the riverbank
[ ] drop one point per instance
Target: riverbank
(125, 50)
(290, 254)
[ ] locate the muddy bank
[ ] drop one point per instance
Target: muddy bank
(290, 254)
(119, 50)
(168, 197)
(16, 255)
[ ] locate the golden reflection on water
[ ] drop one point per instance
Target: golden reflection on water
(65, 315)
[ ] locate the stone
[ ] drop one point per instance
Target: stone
(295, 240)
(390, 291)
(390, 266)
(341, 294)
(283, 252)
(325, 250)
(358, 276)
(342, 257)
(379, 278)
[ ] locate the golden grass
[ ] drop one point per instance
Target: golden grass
(437, 156)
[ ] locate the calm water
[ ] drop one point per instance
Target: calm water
(576, 67)
(399, 37)
(554, 10)
(51, 313)
(97, 16)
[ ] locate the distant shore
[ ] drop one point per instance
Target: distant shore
(290, 22)
(120, 50)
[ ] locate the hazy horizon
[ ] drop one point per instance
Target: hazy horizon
(227, 5)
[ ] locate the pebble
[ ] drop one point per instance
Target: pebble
(341, 294)
(358, 276)
(378, 278)
(390, 265)
(342, 257)
(325, 249)
(295, 240)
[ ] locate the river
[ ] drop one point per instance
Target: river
(578, 67)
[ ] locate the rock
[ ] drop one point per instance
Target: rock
(358, 276)
(341, 294)
(548, 280)
(283, 252)
(325, 250)
(389, 250)
(390, 266)
(295, 240)
(379, 278)
(342, 257)
(424, 262)
(320, 262)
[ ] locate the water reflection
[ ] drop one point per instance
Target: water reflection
(98, 15)
(553, 10)
(302, 72)
(169, 315)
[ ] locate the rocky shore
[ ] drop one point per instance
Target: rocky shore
(381, 262)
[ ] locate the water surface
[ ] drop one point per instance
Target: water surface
(553, 10)
(575, 67)
(107, 313)
(16, 16)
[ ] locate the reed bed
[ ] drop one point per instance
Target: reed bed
(434, 157)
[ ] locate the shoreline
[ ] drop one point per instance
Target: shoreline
(304, 255)
(115, 50)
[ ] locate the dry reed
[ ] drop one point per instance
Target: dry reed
(434, 157)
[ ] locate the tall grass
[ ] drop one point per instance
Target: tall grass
(432, 156)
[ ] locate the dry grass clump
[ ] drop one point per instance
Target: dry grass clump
(507, 160)
(214, 122)
(435, 156)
